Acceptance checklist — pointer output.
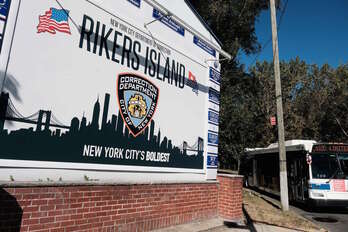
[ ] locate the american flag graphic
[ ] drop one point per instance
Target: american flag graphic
(54, 20)
(192, 77)
(192, 82)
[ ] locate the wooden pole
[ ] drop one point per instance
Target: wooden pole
(284, 198)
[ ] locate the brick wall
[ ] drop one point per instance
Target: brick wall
(230, 197)
(115, 208)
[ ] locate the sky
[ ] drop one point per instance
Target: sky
(314, 30)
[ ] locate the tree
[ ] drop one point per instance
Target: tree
(314, 99)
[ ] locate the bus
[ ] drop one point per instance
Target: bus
(317, 172)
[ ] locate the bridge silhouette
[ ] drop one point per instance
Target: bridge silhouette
(44, 119)
(41, 118)
(198, 146)
(67, 146)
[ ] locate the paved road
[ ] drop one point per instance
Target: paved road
(338, 215)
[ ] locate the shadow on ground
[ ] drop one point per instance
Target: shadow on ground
(235, 225)
(250, 224)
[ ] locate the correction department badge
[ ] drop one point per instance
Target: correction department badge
(137, 99)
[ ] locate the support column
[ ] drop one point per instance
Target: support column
(39, 121)
(255, 182)
(48, 120)
(230, 198)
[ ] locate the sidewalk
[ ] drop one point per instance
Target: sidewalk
(261, 214)
(218, 225)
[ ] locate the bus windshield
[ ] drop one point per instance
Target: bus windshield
(330, 166)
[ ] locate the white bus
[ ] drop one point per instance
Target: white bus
(317, 172)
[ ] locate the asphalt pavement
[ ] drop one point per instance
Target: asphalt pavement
(332, 219)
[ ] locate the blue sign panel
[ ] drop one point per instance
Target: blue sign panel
(214, 96)
(168, 21)
(135, 2)
(321, 186)
(4, 9)
(214, 75)
(213, 138)
(200, 43)
(213, 117)
(212, 160)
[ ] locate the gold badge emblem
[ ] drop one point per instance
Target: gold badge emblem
(137, 106)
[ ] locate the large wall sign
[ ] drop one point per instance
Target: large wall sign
(92, 89)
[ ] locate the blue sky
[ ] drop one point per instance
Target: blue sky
(314, 30)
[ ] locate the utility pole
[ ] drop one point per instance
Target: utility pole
(284, 198)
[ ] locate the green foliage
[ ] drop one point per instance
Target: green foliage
(314, 102)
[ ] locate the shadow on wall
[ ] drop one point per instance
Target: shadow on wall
(11, 85)
(10, 212)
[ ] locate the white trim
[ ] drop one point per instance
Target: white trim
(87, 166)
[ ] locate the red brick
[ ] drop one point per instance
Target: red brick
(30, 221)
(38, 214)
(230, 197)
(36, 227)
(46, 220)
(23, 190)
(58, 230)
(63, 218)
(133, 207)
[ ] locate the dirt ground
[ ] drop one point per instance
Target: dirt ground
(264, 211)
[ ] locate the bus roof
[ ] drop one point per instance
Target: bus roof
(290, 145)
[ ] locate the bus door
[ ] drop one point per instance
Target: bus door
(297, 179)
